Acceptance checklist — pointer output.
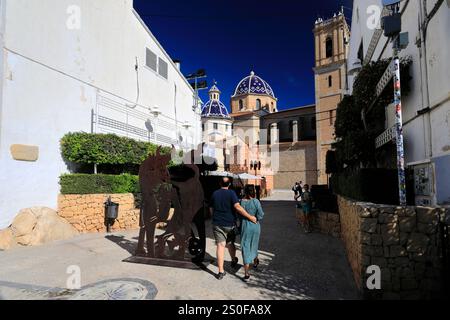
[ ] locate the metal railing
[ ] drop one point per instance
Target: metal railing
(112, 115)
(385, 137)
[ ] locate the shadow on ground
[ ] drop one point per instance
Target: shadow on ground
(294, 265)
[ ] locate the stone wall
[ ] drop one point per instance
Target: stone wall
(324, 222)
(404, 242)
(327, 223)
(86, 213)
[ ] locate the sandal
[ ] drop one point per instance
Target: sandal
(234, 263)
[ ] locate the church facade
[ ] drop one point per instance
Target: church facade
(277, 145)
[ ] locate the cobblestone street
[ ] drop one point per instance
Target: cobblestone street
(294, 265)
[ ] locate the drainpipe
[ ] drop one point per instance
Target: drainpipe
(424, 79)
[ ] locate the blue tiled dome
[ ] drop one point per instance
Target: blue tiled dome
(214, 108)
(253, 85)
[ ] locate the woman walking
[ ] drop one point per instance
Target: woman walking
(250, 232)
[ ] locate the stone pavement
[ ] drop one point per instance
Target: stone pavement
(294, 265)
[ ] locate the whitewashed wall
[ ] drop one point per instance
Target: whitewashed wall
(421, 146)
(54, 77)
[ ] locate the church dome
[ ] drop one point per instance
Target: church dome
(214, 108)
(253, 85)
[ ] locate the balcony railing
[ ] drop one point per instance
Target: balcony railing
(385, 137)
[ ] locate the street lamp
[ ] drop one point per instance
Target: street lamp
(392, 26)
(197, 85)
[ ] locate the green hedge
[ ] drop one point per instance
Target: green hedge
(88, 148)
(98, 183)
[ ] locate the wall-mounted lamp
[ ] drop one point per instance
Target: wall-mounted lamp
(186, 125)
(155, 111)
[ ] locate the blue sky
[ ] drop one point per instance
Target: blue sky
(230, 38)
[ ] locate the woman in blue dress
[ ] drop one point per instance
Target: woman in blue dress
(250, 231)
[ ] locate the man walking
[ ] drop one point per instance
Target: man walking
(224, 203)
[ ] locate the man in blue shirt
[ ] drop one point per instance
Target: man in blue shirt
(224, 203)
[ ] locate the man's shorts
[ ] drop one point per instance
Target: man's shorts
(224, 234)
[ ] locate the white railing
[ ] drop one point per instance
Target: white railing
(385, 137)
(112, 115)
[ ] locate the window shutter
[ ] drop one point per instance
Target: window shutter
(151, 60)
(162, 69)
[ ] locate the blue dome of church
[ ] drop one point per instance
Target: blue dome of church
(214, 108)
(253, 85)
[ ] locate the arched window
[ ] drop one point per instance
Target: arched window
(330, 81)
(258, 104)
(241, 104)
(329, 47)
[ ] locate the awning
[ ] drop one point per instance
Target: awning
(246, 176)
(222, 174)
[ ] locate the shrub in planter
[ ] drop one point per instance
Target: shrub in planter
(98, 183)
(105, 149)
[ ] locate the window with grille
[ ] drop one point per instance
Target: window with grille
(162, 68)
(151, 60)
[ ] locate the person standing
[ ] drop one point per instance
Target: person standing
(300, 191)
(307, 207)
(250, 232)
(224, 203)
(296, 189)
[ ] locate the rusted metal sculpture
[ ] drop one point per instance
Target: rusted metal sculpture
(179, 190)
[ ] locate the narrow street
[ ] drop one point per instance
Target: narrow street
(294, 265)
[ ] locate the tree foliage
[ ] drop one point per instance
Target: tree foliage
(355, 138)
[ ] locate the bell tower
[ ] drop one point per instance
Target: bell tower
(330, 72)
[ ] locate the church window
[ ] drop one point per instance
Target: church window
(241, 104)
(329, 47)
(258, 104)
(216, 126)
(330, 81)
(203, 127)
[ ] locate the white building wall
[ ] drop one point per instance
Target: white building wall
(420, 146)
(54, 78)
